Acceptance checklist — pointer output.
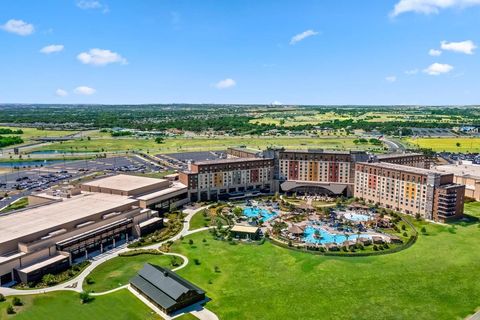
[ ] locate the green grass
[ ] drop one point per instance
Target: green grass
(446, 144)
(118, 271)
(172, 145)
(32, 133)
(199, 221)
(158, 175)
(472, 208)
(119, 305)
(20, 204)
(434, 279)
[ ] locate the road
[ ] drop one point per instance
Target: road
(394, 145)
(76, 284)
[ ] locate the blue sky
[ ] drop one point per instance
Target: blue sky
(240, 51)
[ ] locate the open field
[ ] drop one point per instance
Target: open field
(172, 145)
(427, 281)
(32, 133)
(302, 117)
(446, 144)
(65, 305)
(118, 271)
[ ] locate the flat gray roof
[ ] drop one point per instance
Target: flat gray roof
(399, 167)
(175, 186)
(397, 155)
(18, 224)
(230, 160)
(124, 182)
(462, 170)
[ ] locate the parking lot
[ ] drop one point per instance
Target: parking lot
(25, 180)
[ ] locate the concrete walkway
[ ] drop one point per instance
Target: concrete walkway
(76, 284)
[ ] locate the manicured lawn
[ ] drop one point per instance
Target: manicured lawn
(119, 305)
(118, 271)
(172, 145)
(437, 278)
(472, 208)
(199, 221)
(446, 144)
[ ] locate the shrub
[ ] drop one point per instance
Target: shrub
(423, 230)
(405, 234)
(190, 242)
(404, 227)
(89, 280)
(85, 297)
(375, 247)
(174, 261)
(49, 279)
(17, 302)
(196, 261)
(137, 252)
(10, 309)
(2, 297)
(217, 269)
(204, 240)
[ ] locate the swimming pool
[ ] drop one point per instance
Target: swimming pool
(261, 213)
(327, 237)
(357, 217)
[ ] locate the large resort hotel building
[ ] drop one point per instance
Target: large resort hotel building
(227, 178)
(416, 191)
(330, 171)
(67, 225)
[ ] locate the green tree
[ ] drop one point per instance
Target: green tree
(85, 297)
(10, 309)
(16, 301)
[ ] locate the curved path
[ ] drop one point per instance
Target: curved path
(76, 284)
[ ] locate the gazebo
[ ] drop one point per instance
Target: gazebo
(296, 230)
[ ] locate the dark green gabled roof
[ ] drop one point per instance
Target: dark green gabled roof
(162, 286)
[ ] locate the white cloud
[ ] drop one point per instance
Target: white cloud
(466, 47)
(301, 36)
(225, 84)
(434, 52)
(85, 91)
(100, 57)
(436, 69)
(89, 4)
(61, 93)
(411, 72)
(92, 4)
(391, 78)
(19, 27)
(52, 48)
(276, 103)
(429, 6)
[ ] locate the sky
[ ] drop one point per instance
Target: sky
(337, 52)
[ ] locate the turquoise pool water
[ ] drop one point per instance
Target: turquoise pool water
(357, 217)
(257, 212)
(327, 237)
